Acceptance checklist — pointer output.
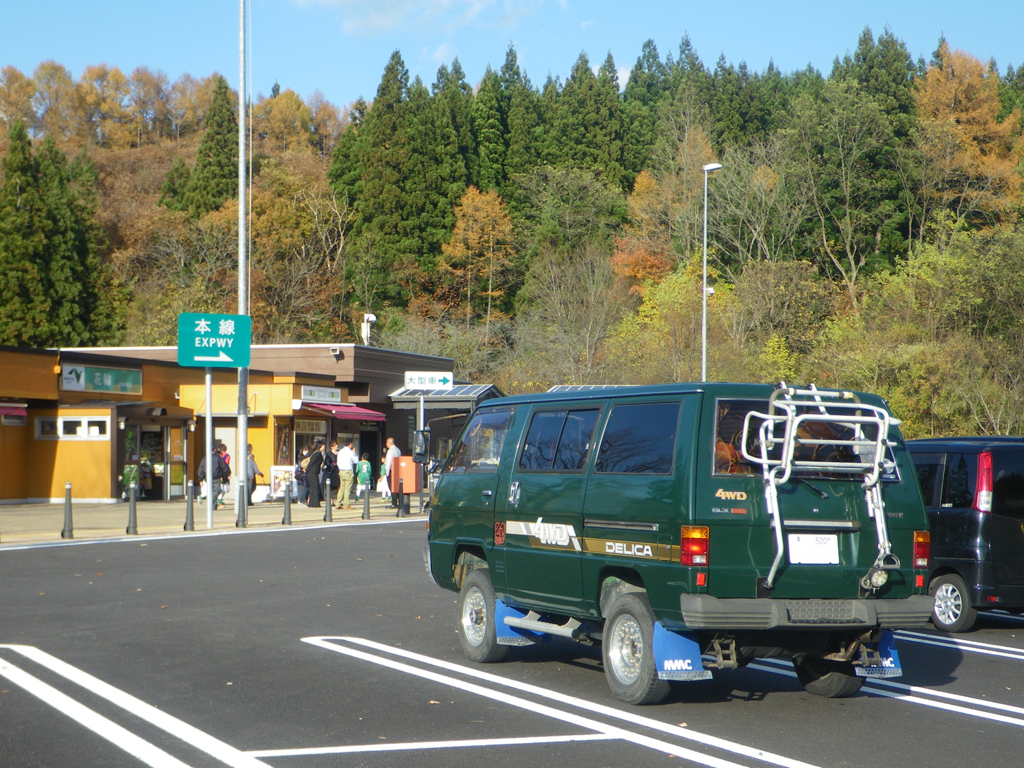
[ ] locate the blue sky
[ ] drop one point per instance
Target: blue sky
(341, 46)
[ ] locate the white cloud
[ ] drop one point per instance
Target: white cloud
(445, 52)
(585, 24)
(376, 16)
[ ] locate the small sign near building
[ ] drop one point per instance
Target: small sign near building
(214, 341)
(429, 380)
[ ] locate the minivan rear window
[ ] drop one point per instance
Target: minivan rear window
(639, 439)
(1008, 485)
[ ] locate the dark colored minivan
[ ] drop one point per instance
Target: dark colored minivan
(685, 528)
(974, 491)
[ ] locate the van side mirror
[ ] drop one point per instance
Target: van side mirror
(420, 445)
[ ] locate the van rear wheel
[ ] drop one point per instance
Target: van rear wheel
(627, 649)
(952, 611)
(831, 679)
(477, 634)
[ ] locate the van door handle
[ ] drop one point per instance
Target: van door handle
(513, 494)
(488, 494)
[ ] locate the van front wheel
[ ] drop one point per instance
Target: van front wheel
(477, 634)
(627, 648)
(831, 679)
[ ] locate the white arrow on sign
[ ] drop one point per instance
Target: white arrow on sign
(221, 358)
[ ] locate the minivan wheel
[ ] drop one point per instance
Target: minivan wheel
(628, 651)
(831, 679)
(952, 611)
(477, 635)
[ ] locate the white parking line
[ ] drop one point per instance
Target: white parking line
(914, 694)
(631, 717)
(140, 709)
(419, 745)
(95, 722)
(972, 646)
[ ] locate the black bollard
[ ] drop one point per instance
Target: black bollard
(190, 521)
(68, 532)
(287, 519)
(401, 499)
(366, 502)
(133, 521)
(328, 517)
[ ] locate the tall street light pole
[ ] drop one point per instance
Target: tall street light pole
(708, 169)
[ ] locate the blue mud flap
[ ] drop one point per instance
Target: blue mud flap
(677, 655)
(889, 659)
(507, 635)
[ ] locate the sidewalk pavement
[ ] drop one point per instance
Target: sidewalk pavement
(22, 524)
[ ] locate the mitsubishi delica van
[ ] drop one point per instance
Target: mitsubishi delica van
(685, 528)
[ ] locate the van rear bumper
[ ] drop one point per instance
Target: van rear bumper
(707, 612)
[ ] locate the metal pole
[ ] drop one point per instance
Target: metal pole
(287, 519)
(366, 502)
(190, 519)
(328, 517)
(704, 292)
(68, 532)
(243, 265)
(133, 521)
(401, 498)
(209, 449)
(242, 502)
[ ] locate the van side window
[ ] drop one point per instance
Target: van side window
(927, 467)
(559, 440)
(479, 448)
(639, 439)
(960, 480)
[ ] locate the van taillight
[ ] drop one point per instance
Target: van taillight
(983, 488)
(693, 545)
(922, 548)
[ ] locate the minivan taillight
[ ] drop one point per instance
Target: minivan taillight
(922, 548)
(693, 545)
(983, 487)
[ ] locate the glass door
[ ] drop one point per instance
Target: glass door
(175, 470)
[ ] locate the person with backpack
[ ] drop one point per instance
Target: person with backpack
(301, 488)
(218, 477)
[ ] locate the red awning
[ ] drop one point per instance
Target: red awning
(7, 410)
(346, 411)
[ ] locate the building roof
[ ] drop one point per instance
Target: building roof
(461, 397)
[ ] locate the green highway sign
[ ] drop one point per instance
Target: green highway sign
(214, 341)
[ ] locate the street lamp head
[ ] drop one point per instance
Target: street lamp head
(712, 167)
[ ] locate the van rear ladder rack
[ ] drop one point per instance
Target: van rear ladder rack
(801, 429)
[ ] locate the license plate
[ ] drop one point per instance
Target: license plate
(814, 548)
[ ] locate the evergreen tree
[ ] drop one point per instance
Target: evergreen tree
(648, 81)
(489, 168)
(589, 125)
(453, 102)
(214, 180)
(521, 119)
(24, 229)
(172, 193)
(345, 171)
(385, 164)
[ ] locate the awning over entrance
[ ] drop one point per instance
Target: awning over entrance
(12, 410)
(345, 411)
(464, 397)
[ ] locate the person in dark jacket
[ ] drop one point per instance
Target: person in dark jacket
(316, 461)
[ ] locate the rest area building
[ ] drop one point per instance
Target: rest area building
(102, 418)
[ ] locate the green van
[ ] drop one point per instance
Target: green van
(685, 527)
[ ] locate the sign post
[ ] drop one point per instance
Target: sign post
(207, 340)
(422, 380)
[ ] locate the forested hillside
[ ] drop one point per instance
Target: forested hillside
(865, 230)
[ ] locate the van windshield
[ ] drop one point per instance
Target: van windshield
(729, 459)
(479, 447)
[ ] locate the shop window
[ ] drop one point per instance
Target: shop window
(72, 428)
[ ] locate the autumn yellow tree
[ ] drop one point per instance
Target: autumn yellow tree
(481, 243)
(969, 159)
(16, 92)
(283, 121)
(103, 94)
